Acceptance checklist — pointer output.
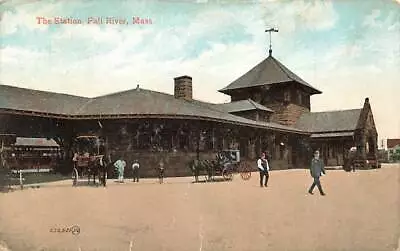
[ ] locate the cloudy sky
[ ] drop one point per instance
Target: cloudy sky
(347, 49)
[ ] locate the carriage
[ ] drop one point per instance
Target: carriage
(353, 161)
(89, 160)
(226, 164)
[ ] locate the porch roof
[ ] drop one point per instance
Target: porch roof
(332, 135)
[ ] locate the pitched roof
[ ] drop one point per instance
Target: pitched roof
(331, 121)
(133, 103)
(391, 143)
(267, 72)
(147, 102)
(242, 105)
(12, 97)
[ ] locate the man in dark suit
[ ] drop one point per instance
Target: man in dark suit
(263, 168)
(135, 169)
(316, 170)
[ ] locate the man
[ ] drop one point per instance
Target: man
(120, 165)
(135, 168)
(316, 170)
(263, 167)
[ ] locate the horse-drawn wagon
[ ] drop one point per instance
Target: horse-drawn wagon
(89, 159)
(226, 164)
(353, 161)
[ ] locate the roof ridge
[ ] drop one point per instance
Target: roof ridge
(354, 109)
(114, 93)
(135, 89)
(276, 62)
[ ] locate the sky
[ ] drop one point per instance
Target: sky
(348, 49)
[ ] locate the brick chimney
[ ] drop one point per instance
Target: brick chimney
(183, 87)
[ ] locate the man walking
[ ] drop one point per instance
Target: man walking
(263, 167)
(316, 170)
(135, 168)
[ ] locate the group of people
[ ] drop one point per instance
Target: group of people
(120, 165)
(317, 170)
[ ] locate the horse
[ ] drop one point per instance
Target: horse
(202, 166)
(210, 167)
(94, 166)
(102, 169)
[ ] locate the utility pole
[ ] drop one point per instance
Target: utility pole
(270, 43)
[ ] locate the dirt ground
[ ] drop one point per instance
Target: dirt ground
(360, 212)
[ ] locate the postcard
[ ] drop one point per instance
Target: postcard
(209, 125)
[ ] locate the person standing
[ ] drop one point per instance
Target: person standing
(75, 159)
(120, 165)
(161, 171)
(263, 168)
(135, 168)
(316, 170)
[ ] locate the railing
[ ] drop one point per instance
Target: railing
(20, 173)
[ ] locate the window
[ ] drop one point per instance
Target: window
(286, 96)
(300, 98)
(304, 99)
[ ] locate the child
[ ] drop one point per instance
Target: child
(161, 171)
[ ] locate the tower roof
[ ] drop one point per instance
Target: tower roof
(268, 72)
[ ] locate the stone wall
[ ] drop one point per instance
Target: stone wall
(335, 160)
(286, 114)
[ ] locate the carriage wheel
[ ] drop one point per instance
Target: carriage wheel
(245, 171)
(105, 179)
(227, 173)
(74, 177)
(195, 174)
(206, 177)
(207, 174)
(100, 176)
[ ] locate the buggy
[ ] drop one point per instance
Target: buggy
(226, 164)
(89, 159)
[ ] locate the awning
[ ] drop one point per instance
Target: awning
(36, 142)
